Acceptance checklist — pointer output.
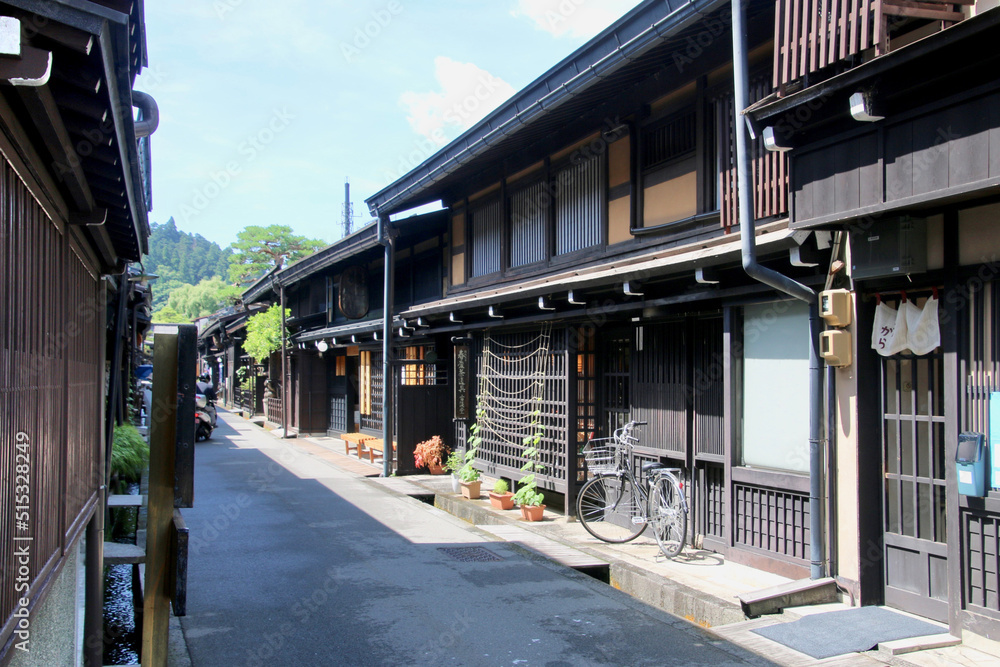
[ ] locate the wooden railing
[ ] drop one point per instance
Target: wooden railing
(243, 400)
(272, 410)
(810, 35)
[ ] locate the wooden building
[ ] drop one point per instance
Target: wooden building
(74, 185)
(334, 352)
(893, 139)
(594, 273)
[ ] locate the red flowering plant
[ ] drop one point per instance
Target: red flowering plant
(430, 452)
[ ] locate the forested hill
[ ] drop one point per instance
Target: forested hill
(180, 258)
(189, 258)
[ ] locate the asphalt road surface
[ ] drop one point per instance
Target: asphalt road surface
(295, 562)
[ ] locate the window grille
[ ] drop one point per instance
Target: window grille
(579, 194)
(528, 215)
(487, 233)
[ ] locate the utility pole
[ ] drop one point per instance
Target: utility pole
(348, 209)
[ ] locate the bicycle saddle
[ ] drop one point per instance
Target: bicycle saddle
(652, 465)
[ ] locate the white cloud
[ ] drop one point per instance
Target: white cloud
(572, 18)
(467, 94)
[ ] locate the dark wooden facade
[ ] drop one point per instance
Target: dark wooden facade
(573, 245)
(66, 238)
(928, 156)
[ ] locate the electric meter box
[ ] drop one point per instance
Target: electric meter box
(835, 307)
(970, 463)
(835, 347)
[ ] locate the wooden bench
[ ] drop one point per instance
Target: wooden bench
(355, 441)
(377, 445)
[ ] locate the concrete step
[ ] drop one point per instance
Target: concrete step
(125, 500)
(801, 593)
(123, 554)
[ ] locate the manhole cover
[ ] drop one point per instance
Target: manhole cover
(470, 554)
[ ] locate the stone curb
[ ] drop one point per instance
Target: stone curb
(672, 597)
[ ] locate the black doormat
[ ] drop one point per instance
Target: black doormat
(848, 631)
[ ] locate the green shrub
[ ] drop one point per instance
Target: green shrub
(129, 453)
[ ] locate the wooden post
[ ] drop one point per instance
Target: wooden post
(162, 439)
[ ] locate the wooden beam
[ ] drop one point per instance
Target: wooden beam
(42, 108)
(74, 100)
(81, 79)
(96, 217)
(163, 432)
(33, 68)
(75, 40)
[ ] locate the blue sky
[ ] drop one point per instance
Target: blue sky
(266, 107)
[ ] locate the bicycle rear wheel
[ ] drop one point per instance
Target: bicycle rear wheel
(610, 508)
(668, 515)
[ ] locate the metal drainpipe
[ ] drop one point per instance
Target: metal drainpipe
(388, 381)
(741, 85)
(286, 387)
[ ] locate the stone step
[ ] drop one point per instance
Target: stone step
(123, 554)
(799, 593)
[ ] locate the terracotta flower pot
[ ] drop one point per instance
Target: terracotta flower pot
(470, 490)
(435, 469)
(532, 512)
(502, 501)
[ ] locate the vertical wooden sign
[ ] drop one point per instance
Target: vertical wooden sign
(461, 382)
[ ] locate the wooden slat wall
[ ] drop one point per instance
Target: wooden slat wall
(707, 389)
(659, 387)
(812, 34)
(770, 169)
(772, 520)
(52, 323)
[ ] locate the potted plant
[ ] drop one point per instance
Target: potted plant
(430, 454)
(528, 497)
(469, 477)
(452, 465)
(500, 496)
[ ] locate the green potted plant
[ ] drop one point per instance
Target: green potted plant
(468, 476)
(528, 497)
(430, 454)
(500, 496)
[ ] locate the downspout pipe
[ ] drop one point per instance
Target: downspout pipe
(150, 114)
(388, 381)
(782, 283)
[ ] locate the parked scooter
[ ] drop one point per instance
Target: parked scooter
(204, 417)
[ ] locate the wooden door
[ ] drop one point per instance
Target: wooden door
(913, 440)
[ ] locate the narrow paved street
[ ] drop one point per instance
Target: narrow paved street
(296, 562)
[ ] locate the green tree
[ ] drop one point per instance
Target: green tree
(264, 333)
(208, 296)
(179, 258)
(257, 250)
(168, 315)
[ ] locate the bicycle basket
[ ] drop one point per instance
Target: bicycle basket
(600, 456)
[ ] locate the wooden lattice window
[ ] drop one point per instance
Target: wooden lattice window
(519, 373)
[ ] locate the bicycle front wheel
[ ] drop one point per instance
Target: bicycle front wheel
(668, 515)
(610, 508)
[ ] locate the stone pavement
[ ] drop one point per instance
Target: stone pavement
(699, 586)
(297, 561)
